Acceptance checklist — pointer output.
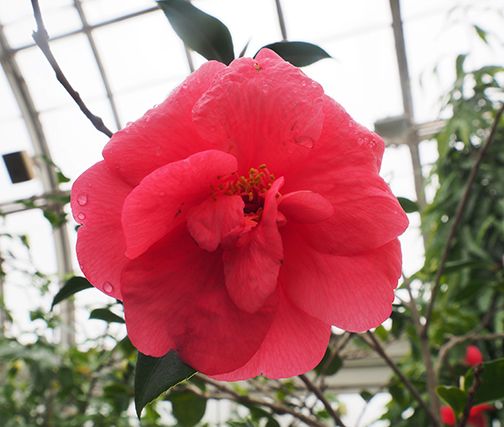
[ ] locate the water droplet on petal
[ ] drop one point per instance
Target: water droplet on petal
(211, 128)
(303, 83)
(265, 88)
(351, 123)
(81, 216)
(305, 141)
(159, 151)
(129, 124)
(314, 84)
(108, 288)
(82, 199)
(147, 118)
(360, 141)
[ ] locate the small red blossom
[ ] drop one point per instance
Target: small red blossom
(239, 220)
(476, 416)
(473, 356)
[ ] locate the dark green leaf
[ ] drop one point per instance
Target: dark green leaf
(155, 375)
(187, 407)
(408, 205)
(71, 287)
(366, 395)
(333, 367)
(105, 314)
(452, 396)
(272, 423)
(492, 387)
(201, 32)
(299, 54)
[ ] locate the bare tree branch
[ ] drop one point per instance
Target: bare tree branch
(42, 40)
(313, 388)
(375, 344)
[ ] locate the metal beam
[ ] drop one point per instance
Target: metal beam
(47, 173)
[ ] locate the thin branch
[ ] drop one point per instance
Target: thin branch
(381, 351)
(42, 40)
(458, 217)
(245, 400)
(281, 20)
(478, 370)
(313, 388)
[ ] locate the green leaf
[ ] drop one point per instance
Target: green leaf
(408, 205)
(333, 367)
(105, 314)
(366, 395)
(454, 397)
(188, 408)
(201, 32)
(492, 386)
(71, 287)
(299, 54)
(482, 33)
(155, 375)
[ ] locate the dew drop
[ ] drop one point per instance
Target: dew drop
(314, 84)
(147, 118)
(108, 288)
(211, 129)
(159, 151)
(360, 141)
(265, 88)
(129, 124)
(305, 141)
(303, 83)
(81, 216)
(351, 123)
(82, 199)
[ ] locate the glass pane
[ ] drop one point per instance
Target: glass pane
(104, 10)
(59, 18)
(77, 61)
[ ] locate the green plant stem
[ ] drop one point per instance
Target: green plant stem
(381, 351)
(42, 40)
(315, 390)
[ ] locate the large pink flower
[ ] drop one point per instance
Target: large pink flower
(239, 220)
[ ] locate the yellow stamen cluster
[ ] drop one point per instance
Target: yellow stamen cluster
(251, 188)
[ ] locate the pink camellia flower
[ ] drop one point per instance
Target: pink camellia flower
(239, 220)
(476, 416)
(473, 356)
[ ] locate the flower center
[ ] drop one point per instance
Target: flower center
(252, 189)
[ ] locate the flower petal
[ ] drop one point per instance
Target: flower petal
(353, 293)
(175, 298)
(263, 111)
(160, 201)
(251, 268)
(97, 199)
(164, 134)
(305, 207)
(343, 168)
(216, 221)
(295, 344)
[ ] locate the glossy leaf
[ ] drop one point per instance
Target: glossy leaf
(201, 32)
(299, 54)
(155, 375)
(452, 396)
(106, 314)
(492, 386)
(71, 287)
(409, 206)
(188, 408)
